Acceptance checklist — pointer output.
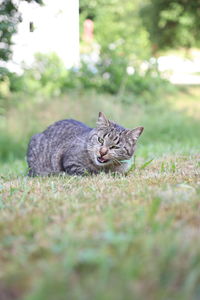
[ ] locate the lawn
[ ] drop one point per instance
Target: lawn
(104, 237)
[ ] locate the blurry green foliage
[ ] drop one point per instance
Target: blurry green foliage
(118, 27)
(9, 82)
(172, 24)
(112, 74)
(125, 53)
(47, 74)
(144, 27)
(124, 63)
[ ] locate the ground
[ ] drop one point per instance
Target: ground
(105, 237)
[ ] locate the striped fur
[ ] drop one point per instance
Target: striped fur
(71, 147)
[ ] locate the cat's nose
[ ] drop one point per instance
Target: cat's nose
(103, 151)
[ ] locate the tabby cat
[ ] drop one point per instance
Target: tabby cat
(72, 147)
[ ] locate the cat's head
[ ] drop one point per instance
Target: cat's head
(110, 142)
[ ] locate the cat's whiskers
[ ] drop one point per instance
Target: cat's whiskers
(92, 151)
(116, 160)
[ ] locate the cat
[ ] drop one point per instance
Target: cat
(72, 147)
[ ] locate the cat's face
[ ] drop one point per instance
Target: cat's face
(111, 143)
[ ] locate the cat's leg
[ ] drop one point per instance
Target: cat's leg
(75, 170)
(120, 168)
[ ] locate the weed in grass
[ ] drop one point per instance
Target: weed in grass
(173, 167)
(162, 168)
(146, 164)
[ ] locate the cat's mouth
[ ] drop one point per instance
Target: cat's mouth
(102, 160)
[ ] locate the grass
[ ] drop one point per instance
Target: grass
(104, 237)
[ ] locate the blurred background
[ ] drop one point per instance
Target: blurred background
(138, 62)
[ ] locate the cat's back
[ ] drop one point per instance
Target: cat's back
(68, 126)
(61, 132)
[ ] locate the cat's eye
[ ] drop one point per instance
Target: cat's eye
(100, 140)
(114, 147)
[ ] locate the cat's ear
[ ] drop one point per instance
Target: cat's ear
(135, 133)
(102, 120)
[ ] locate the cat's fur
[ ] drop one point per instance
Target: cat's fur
(72, 147)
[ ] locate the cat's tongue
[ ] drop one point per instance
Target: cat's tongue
(102, 160)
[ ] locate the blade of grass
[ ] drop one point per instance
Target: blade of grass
(146, 164)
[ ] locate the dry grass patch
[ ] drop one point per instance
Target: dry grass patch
(139, 233)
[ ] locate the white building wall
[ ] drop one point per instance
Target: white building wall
(56, 30)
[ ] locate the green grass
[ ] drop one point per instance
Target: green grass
(104, 237)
